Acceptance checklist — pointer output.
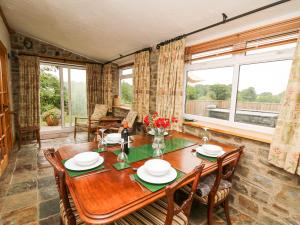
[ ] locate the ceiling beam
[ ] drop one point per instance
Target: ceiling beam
(10, 30)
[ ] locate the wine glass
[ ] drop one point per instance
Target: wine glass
(122, 156)
(101, 142)
(205, 135)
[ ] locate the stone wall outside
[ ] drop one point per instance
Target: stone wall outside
(267, 194)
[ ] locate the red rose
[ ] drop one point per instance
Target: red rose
(146, 120)
(174, 120)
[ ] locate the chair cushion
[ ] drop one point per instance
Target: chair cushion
(206, 185)
(63, 213)
(130, 118)
(85, 124)
(154, 213)
(99, 112)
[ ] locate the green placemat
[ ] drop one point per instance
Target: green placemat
(121, 166)
(156, 187)
(211, 159)
(145, 151)
(99, 150)
(73, 173)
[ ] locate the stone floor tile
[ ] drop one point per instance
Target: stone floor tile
(22, 177)
(20, 216)
(48, 208)
(22, 187)
(45, 172)
(47, 193)
(18, 201)
(51, 220)
(46, 181)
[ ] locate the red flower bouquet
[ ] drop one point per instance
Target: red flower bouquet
(157, 123)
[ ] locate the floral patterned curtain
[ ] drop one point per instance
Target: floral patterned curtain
(106, 95)
(93, 86)
(141, 84)
(29, 93)
(170, 75)
(285, 147)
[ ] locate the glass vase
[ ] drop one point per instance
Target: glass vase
(158, 144)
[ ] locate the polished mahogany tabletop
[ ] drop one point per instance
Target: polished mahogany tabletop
(102, 198)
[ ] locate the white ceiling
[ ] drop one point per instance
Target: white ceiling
(103, 29)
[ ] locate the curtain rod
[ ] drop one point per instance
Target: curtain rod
(225, 20)
(60, 59)
(123, 56)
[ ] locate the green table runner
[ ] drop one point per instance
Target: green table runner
(145, 151)
(156, 187)
(73, 173)
(211, 159)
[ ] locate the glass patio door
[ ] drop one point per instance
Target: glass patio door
(63, 95)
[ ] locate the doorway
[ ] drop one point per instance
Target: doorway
(62, 96)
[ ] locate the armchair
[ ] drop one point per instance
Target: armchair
(91, 122)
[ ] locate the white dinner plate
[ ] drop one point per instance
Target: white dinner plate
(151, 132)
(201, 151)
(111, 142)
(145, 176)
(71, 164)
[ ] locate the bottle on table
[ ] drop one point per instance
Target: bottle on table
(125, 136)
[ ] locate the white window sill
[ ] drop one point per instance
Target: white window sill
(231, 130)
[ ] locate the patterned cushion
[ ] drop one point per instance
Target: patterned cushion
(85, 124)
(205, 186)
(130, 118)
(63, 213)
(154, 213)
(99, 112)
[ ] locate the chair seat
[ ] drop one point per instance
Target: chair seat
(154, 213)
(85, 124)
(205, 186)
(63, 213)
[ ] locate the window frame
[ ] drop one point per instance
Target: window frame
(236, 61)
(121, 77)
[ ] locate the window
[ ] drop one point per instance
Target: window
(240, 89)
(261, 87)
(126, 86)
(208, 92)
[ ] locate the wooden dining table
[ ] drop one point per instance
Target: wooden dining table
(101, 198)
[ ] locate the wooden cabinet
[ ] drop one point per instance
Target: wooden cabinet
(5, 120)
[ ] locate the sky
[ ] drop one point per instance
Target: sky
(264, 77)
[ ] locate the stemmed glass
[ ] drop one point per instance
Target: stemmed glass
(101, 142)
(205, 135)
(122, 157)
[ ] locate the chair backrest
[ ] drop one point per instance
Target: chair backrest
(99, 112)
(59, 173)
(225, 172)
(130, 118)
(186, 205)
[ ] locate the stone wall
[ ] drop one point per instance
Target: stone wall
(267, 194)
(18, 46)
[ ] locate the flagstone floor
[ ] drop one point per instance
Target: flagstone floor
(28, 195)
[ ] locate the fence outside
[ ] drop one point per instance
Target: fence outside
(200, 107)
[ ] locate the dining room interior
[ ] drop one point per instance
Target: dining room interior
(150, 112)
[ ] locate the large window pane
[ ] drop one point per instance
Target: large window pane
(78, 93)
(126, 91)
(261, 87)
(208, 92)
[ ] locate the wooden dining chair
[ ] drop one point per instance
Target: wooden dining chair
(68, 212)
(214, 189)
(165, 211)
